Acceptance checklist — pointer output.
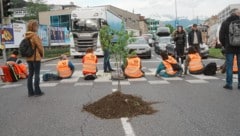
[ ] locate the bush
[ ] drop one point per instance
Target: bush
(56, 51)
(215, 53)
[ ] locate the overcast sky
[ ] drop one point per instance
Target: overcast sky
(159, 8)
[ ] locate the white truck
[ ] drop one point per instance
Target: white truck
(86, 23)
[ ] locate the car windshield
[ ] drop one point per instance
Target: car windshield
(139, 41)
(85, 25)
(165, 40)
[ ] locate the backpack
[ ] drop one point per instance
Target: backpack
(210, 69)
(50, 76)
(25, 48)
(234, 33)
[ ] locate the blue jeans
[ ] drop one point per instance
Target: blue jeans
(106, 63)
(229, 68)
(34, 69)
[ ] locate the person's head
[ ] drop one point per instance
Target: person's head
(164, 55)
(192, 50)
(235, 12)
(194, 26)
(179, 28)
(89, 50)
(15, 53)
(32, 26)
(63, 57)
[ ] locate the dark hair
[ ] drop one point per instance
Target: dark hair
(194, 25)
(192, 50)
(164, 55)
(15, 52)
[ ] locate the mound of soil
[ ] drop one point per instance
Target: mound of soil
(117, 105)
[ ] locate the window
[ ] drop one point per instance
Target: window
(60, 21)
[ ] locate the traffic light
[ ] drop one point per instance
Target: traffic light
(7, 4)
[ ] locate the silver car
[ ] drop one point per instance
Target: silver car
(141, 47)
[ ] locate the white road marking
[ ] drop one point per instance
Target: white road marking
(172, 78)
(197, 81)
(48, 84)
(137, 79)
(121, 82)
(204, 77)
(127, 127)
(158, 82)
(11, 85)
(84, 84)
(76, 75)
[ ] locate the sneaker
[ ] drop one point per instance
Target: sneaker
(227, 87)
(40, 94)
(112, 70)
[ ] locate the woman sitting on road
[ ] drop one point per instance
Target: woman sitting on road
(193, 62)
(165, 68)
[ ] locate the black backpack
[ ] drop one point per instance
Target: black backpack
(210, 69)
(234, 33)
(25, 48)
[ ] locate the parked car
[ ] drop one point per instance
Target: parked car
(149, 38)
(141, 46)
(165, 43)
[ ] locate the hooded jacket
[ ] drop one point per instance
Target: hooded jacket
(224, 35)
(35, 41)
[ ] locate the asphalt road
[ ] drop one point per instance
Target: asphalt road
(188, 106)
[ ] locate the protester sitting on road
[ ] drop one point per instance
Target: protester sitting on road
(193, 62)
(89, 65)
(133, 66)
(165, 68)
(65, 67)
(19, 68)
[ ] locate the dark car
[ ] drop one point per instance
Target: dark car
(165, 44)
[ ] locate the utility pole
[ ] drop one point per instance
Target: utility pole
(1, 30)
(176, 19)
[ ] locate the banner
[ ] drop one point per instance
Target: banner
(57, 35)
(43, 34)
(7, 34)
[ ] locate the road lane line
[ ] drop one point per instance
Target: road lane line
(127, 127)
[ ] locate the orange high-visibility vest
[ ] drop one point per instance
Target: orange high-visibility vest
(63, 69)
(195, 63)
(19, 69)
(89, 64)
(235, 66)
(167, 63)
(133, 68)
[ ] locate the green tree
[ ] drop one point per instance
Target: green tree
(118, 49)
(34, 7)
(170, 27)
(19, 3)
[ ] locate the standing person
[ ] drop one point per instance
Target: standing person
(89, 65)
(195, 38)
(105, 39)
(65, 67)
(230, 50)
(34, 62)
(179, 36)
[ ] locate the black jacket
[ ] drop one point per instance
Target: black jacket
(191, 36)
(179, 38)
(224, 35)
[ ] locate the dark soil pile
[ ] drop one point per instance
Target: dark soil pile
(117, 105)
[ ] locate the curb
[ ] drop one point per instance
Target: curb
(46, 60)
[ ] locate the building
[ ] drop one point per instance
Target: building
(152, 25)
(61, 17)
(226, 12)
(143, 25)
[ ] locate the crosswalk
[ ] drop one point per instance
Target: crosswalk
(77, 79)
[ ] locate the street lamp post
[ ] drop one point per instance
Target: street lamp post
(176, 19)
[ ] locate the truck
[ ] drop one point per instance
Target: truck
(86, 24)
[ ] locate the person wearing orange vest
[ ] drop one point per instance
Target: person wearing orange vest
(65, 68)
(235, 67)
(19, 67)
(193, 62)
(165, 68)
(133, 67)
(89, 65)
